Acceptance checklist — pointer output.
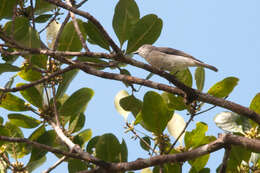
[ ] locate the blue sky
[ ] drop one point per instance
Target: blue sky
(219, 32)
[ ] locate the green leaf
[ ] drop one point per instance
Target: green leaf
(124, 152)
(37, 133)
(8, 68)
(125, 16)
(35, 164)
(199, 163)
(146, 170)
(66, 80)
(43, 6)
(39, 60)
(23, 33)
(108, 148)
(237, 155)
(184, 76)
(77, 102)
(32, 95)
(76, 123)
(131, 103)
(144, 144)
(13, 103)
(76, 165)
(174, 102)
(17, 150)
(92, 144)
(200, 78)
(83, 137)
(29, 74)
(95, 36)
(4, 132)
(69, 39)
(155, 112)
(24, 121)
(47, 138)
(146, 31)
(43, 18)
(93, 60)
(197, 136)
(255, 103)
(223, 88)
(6, 8)
(9, 59)
(232, 122)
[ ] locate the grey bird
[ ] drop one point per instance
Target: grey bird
(165, 58)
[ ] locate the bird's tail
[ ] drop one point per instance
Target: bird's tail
(208, 66)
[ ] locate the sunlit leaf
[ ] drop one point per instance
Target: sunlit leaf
(255, 103)
(223, 88)
(184, 76)
(232, 122)
(43, 6)
(24, 121)
(174, 102)
(175, 126)
(146, 31)
(77, 123)
(8, 68)
(83, 137)
(13, 103)
(120, 95)
(29, 74)
(32, 95)
(199, 163)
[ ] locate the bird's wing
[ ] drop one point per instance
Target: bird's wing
(172, 51)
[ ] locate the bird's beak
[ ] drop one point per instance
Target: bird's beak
(135, 52)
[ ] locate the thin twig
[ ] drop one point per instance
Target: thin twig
(55, 164)
(77, 29)
(223, 166)
(44, 79)
(32, 10)
(182, 132)
(134, 132)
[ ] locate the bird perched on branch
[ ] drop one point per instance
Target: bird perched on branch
(170, 59)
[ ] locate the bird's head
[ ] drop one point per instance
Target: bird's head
(144, 50)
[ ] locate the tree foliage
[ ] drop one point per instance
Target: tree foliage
(57, 119)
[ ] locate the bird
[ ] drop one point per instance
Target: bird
(169, 59)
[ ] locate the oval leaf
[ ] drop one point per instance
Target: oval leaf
(155, 112)
(77, 123)
(24, 121)
(32, 95)
(66, 80)
(255, 103)
(223, 88)
(6, 6)
(200, 78)
(8, 68)
(77, 102)
(146, 31)
(13, 103)
(145, 143)
(69, 39)
(232, 122)
(120, 95)
(23, 33)
(76, 165)
(175, 127)
(108, 148)
(131, 103)
(125, 16)
(83, 137)
(174, 102)
(95, 36)
(184, 76)
(29, 74)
